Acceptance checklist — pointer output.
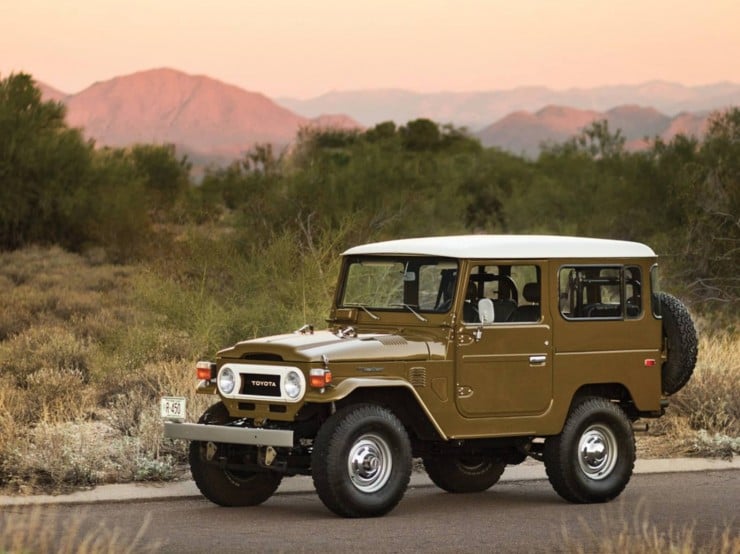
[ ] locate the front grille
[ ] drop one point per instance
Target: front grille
(260, 385)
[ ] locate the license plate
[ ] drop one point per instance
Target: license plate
(173, 408)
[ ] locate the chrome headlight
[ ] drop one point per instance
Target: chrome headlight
(292, 385)
(226, 380)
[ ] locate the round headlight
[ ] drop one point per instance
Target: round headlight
(226, 380)
(292, 385)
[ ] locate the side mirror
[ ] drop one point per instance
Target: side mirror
(485, 310)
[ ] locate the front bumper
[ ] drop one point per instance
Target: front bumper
(228, 435)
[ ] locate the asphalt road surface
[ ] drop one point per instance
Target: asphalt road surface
(510, 517)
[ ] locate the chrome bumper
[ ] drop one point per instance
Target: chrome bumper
(229, 435)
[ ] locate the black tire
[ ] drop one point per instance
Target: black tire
(681, 343)
(361, 461)
(226, 487)
(592, 459)
(459, 474)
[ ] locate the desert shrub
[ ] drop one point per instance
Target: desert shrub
(59, 394)
(711, 399)
(39, 348)
(14, 412)
(703, 419)
(56, 456)
(15, 315)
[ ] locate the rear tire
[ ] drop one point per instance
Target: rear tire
(227, 487)
(361, 461)
(681, 343)
(459, 474)
(592, 459)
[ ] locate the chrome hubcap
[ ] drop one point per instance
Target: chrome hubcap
(369, 463)
(597, 452)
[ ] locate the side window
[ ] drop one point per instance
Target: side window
(600, 292)
(632, 292)
(513, 289)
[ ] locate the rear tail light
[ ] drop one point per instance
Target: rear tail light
(319, 378)
(206, 371)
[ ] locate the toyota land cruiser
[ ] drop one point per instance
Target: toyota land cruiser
(469, 352)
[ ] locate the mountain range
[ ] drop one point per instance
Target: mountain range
(475, 110)
(214, 120)
(524, 132)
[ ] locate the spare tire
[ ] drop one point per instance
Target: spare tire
(681, 344)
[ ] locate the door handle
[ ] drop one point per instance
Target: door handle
(537, 360)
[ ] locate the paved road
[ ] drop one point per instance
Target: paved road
(514, 516)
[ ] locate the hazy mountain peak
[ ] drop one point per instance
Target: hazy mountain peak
(166, 105)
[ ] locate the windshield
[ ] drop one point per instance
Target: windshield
(399, 283)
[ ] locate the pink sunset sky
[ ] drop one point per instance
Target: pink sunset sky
(305, 48)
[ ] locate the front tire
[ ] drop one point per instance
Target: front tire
(460, 474)
(361, 461)
(227, 487)
(592, 459)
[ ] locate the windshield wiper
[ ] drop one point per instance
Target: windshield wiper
(413, 311)
(364, 309)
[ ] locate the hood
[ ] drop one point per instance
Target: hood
(297, 347)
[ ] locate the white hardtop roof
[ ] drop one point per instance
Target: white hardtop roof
(507, 247)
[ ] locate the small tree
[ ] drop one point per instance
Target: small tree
(44, 168)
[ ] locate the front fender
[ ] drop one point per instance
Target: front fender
(347, 386)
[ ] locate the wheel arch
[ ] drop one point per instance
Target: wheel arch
(614, 392)
(400, 398)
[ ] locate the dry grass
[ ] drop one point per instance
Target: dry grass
(637, 535)
(83, 365)
(43, 533)
(703, 418)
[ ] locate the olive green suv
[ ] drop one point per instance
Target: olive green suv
(469, 352)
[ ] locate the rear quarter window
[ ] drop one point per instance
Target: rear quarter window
(600, 292)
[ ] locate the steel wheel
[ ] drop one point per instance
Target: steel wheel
(597, 452)
(369, 463)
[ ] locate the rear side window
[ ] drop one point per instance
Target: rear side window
(600, 292)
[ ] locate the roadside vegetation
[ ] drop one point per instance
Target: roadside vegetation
(118, 272)
(40, 532)
(637, 534)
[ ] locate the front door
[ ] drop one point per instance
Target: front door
(505, 367)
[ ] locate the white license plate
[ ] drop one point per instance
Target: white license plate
(173, 408)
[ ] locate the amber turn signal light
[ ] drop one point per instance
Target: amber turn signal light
(319, 378)
(205, 370)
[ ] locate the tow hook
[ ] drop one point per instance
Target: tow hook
(270, 455)
(211, 450)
